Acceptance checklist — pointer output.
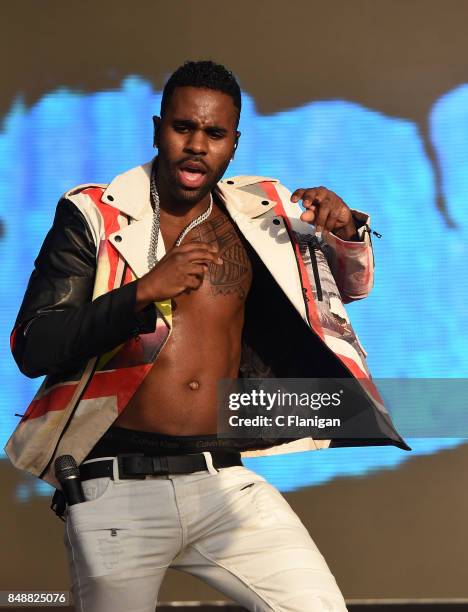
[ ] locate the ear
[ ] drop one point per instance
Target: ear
(156, 131)
(236, 142)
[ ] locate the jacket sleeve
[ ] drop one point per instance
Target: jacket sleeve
(352, 261)
(59, 326)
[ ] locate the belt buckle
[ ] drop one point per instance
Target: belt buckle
(160, 465)
(123, 475)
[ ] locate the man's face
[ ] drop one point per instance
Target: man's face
(196, 139)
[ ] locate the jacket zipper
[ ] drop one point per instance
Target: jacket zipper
(370, 232)
(312, 245)
(304, 290)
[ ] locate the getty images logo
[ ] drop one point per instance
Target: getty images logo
(268, 400)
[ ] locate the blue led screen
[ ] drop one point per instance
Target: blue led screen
(412, 325)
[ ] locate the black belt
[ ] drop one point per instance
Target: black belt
(138, 466)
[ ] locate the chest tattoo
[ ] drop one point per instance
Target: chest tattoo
(234, 276)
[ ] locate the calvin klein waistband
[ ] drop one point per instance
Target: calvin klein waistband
(120, 440)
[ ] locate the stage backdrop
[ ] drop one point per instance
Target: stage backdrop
(369, 99)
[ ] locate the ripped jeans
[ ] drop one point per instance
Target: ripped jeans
(230, 528)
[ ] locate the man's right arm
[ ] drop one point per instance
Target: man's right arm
(58, 326)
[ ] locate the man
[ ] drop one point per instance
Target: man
(146, 293)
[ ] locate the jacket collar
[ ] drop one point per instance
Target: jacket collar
(129, 192)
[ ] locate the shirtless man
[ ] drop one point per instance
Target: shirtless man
(208, 276)
(200, 512)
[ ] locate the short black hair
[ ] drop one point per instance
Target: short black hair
(203, 74)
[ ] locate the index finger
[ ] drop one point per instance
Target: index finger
(196, 244)
(297, 195)
(308, 196)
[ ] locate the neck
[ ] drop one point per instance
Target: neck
(181, 209)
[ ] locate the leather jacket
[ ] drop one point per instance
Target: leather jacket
(77, 325)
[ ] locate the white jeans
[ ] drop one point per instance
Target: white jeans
(230, 528)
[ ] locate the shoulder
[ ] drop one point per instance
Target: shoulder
(257, 185)
(245, 180)
(86, 201)
(89, 190)
(267, 186)
(267, 190)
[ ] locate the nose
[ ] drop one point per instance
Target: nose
(196, 143)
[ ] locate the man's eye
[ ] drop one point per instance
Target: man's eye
(181, 128)
(215, 135)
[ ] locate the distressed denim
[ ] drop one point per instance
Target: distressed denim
(230, 528)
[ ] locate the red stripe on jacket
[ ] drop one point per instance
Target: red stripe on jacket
(111, 224)
(272, 194)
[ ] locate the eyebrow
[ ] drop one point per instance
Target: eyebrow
(191, 124)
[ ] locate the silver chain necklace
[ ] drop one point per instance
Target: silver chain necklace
(153, 246)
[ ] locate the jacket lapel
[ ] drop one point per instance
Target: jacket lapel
(133, 242)
(130, 193)
(267, 233)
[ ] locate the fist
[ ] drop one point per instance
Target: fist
(182, 269)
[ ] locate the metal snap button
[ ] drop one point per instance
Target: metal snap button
(230, 182)
(265, 202)
(118, 238)
(276, 221)
(111, 198)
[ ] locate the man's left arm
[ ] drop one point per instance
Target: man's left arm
(347, 232)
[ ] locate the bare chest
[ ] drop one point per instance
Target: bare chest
(226, 284)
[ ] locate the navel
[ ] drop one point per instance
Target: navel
(194, 385)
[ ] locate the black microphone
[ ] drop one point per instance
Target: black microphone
(68, 474)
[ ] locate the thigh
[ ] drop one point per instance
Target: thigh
(259, 553)
(120, 543)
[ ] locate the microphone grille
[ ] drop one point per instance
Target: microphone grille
(66, 467)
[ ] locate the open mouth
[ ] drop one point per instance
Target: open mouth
(191, 174)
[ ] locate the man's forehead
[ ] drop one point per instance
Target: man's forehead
(201, 104)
